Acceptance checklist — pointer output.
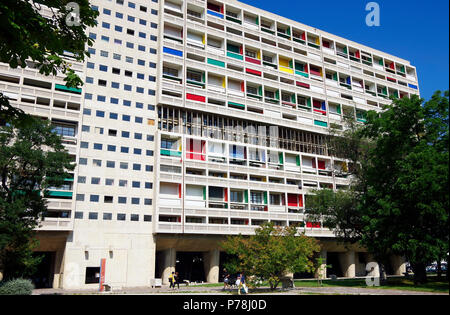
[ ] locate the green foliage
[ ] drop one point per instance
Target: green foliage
(271, 253)
(32, 159)
(26, 33)
(16, 287)
(398, 202)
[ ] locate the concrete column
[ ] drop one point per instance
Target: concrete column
(398, 265)
(58, 270)
(211, 262)
(169, 261)
(321, 273)
(348, 266)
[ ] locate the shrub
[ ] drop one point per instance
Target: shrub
(16, 287)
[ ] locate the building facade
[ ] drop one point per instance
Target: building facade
(198, 119)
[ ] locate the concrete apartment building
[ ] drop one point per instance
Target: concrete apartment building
(198, 119)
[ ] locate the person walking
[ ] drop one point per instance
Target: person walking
(177, 280)
(238, 284)
(172, 280)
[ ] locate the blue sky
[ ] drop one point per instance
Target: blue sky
(414, 30)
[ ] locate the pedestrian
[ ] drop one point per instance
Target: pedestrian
(226, 281)
(172, 280)
(243, 284)
(177, 280)
(239, 284)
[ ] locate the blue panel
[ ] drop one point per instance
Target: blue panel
(412, 86)
(349, 81)
(173, 51)
(324, 107)
(215, 14)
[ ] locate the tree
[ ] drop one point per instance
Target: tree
(32, 159)
(271, 253)
(407, 201)
(26, 34)
(399, 200)
(27, 169)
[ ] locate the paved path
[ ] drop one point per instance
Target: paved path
(197, 290)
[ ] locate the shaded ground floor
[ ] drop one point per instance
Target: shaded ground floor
(141, 261)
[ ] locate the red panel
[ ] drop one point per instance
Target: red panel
(102, 274)
(302, 84)
(313, 224)
(255, 61)
(326, 44)
(357, 54)
(300, 200)
(179, 190)
(226, 194)
(242, 86)
(392, 66)
(321, 165)
(304, 36)
(194, 97)
(292, 200)
(251, 71)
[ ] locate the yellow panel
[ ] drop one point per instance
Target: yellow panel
(288, 70)
(284, 62)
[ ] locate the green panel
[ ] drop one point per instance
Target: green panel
(257, 20)
(260, 90)
(281, 158)
(277, 94)
(170, 153)
(61, 87)
(308, 102)
(385, 90)
(293, 100)
(291, 62)
(236, 104)
(235, 56)
(345, 50)
(216, 63)
(246, 196)
(320, 123)
(232, 19)
(335, 76)
(380, 62)
(265, 197)
(303, 74)
(204, 193)
(60, 193)
(297, 158)
(338, 109)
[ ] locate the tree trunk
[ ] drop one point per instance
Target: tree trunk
(420, 273)
(439, 269)
(383, 276)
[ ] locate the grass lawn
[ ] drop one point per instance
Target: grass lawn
(433, 284)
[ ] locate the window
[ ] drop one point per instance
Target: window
(92, 275)
(122, 200)
(250, 54)
(107, 216)
(124, 166)
(108, 199)
(134, 217)
(123, 183)
(94, 198)
(109, 182)
(95, 181)
(121, 216)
